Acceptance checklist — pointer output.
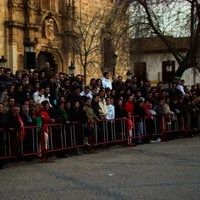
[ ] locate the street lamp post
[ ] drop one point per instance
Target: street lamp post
(3, 61)
(71, 69)
(169, 68)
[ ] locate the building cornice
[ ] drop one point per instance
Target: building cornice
(15, 24)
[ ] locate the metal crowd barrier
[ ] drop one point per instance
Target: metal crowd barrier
(36, 141)
(192, 121)
(161, 127)
(13, 144)
(6, 142)
(64, 136)
(110, 131)
(31, 141)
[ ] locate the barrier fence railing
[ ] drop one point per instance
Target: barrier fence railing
(63, 136)
(23, 143)
(110, 131)
(39, 141)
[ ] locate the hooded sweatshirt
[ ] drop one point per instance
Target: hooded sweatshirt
(106, 83)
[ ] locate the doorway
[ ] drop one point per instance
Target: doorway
(44, 57)
(140, 70)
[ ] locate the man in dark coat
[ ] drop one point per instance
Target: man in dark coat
(14, 129)
(3, 127)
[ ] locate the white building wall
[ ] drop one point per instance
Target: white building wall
(154, 68)
(191, 76)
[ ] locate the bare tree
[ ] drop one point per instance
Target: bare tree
(88, 43)
(117, 26)
(92, 29)
(166, 18)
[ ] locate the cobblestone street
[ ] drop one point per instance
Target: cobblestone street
(169, 170)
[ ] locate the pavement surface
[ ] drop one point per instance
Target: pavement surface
(163, 171)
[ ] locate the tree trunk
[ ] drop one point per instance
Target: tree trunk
(84, 73)
(179, 72)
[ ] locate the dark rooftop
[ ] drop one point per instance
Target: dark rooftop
(156, 45)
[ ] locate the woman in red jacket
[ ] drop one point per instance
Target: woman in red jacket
(129, 109)
(46, 120)
(129, 105)
(42, 118)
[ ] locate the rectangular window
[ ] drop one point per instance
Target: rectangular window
(107, 47)
(140, 70)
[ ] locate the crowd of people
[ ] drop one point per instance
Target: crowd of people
(40, 96)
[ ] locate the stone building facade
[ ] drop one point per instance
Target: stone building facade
(37, 31)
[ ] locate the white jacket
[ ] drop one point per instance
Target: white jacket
(103, 108)
(111, 112)
(106, 83)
